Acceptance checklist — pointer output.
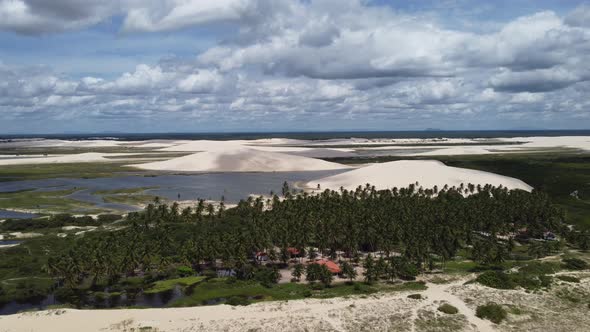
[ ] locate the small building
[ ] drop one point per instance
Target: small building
(262, 256)
(549, 236)
(294, 252)
(331, 265)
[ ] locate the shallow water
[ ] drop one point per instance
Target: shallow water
(4, 214)
(232, 186)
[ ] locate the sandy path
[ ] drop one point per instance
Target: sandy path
(441, 293)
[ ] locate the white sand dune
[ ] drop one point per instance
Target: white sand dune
(241, 159)
(427, 173)
(204, 145)
(63, 159)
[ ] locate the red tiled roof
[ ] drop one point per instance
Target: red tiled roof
(293, 251)
(333, 267)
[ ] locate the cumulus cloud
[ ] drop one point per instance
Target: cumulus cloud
(580, 17)
(41, 16)
(541, 80)
(293, 60)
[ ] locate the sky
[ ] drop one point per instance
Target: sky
(293, 65)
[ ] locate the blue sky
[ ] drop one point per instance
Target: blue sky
(248, 65)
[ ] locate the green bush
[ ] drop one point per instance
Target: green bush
(107, 218)
(496, 279)
(184, 271)
(448, 309)
(575, 264)
(539, 268)
(415, 296)
(568, 279)
(238, 300)
(492, 312)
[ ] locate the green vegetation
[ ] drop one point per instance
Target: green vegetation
(448, 309)
(167, 285)
(55, 221)
(492, 312)
(394, 234)
(575, 264)
(129, 191)
(532, 276)
(569, 279)
(75, 170)
(37, 200)
(415, 296)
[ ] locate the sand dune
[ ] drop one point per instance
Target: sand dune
(64, 159)
(241, 159)
(404, 172)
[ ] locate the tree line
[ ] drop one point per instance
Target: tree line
(411, 227)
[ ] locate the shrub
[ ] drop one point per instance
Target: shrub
(575, 264)
(184, 271)
(209, 274)
(496, 279)
(238, 300)
(539, 268)
(415, 296)
(107, 218)
(568, 279)
(491, 311)
(267, 276)
(448, 309)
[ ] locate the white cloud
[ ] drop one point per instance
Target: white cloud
(204, 81)
(296, 60)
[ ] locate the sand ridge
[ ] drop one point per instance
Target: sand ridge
(428, 173)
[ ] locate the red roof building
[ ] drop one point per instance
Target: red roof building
(333, 267)
(293, 251)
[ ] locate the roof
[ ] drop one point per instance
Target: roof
(333, 267)
(293, 251)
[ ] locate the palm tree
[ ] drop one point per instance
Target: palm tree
(348, 271)
(298, 270)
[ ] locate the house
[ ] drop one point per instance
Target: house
(332, 266)
(294, 252)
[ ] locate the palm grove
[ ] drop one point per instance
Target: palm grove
(413, 229)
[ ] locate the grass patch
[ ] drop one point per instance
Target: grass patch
(166, 285)
(128, 191)
(74, 170)
(53, 201)
(531, 276)
(220, 290)
(491, 311)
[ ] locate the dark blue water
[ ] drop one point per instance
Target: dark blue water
(311, 135)
(9, 242)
